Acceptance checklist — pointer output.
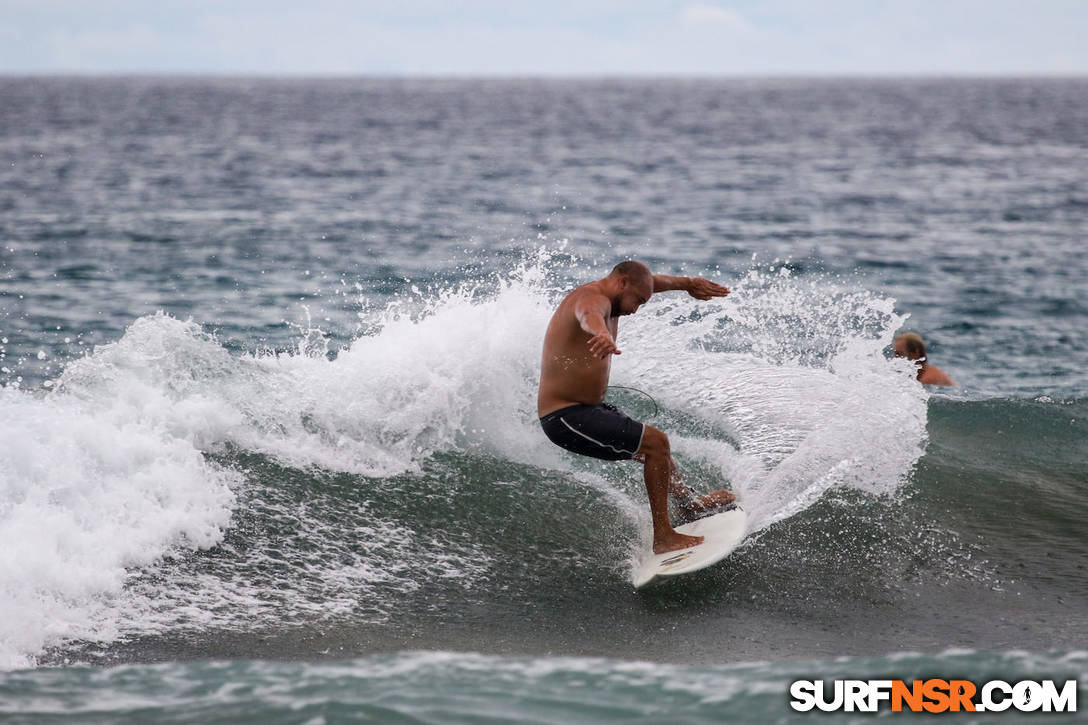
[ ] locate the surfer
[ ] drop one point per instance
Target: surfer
(578, 345)
(910, 346)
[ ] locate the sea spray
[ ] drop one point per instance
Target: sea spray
(792, 373)
(762, 391)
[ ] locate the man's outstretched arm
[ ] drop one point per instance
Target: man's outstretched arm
(697, 287)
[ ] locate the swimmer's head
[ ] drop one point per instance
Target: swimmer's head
(910, 346)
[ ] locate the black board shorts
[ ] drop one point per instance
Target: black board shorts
(601, 431)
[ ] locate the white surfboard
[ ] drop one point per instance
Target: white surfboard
(721, 533)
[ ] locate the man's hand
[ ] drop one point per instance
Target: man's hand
(601, 345)
(704, 289)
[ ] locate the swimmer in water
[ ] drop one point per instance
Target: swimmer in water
(910, 346)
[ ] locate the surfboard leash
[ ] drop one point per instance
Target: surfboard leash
(643, 392)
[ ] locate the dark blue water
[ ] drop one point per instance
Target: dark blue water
(269, 354)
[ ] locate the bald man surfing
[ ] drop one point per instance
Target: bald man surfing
(578, 349)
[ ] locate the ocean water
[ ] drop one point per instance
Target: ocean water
(269, 353)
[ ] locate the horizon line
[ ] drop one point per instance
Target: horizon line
(613, 75)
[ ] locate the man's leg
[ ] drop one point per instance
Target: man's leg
(679, 492)
(658, 465)
(688, 502)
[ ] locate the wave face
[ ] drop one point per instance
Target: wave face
(189, 487)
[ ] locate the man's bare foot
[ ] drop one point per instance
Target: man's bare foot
(674, 542)
(709, 501)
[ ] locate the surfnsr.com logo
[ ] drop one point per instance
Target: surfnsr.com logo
(933, 695)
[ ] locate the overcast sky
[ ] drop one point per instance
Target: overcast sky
(558, 37)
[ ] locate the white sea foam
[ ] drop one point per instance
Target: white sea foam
(83, 497)
(106, 473)
(792, 374)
